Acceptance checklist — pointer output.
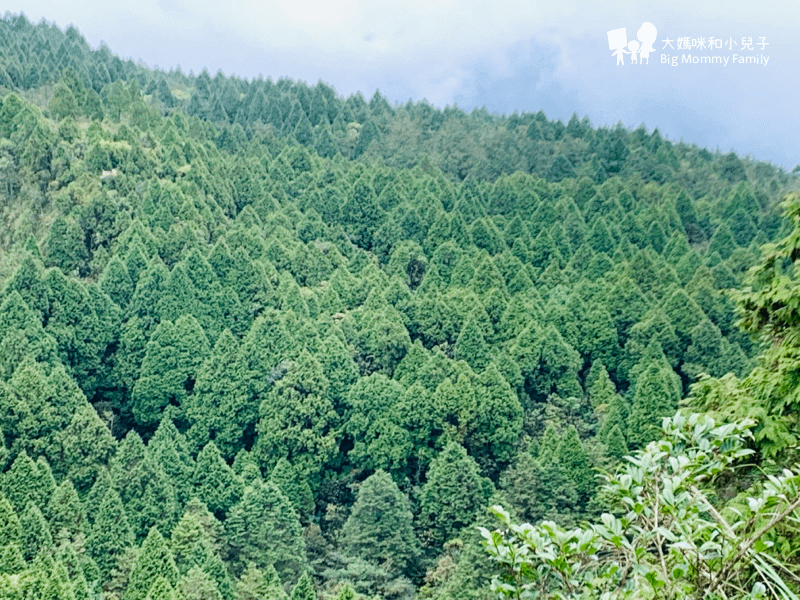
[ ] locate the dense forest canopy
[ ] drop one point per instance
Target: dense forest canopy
(258, 340)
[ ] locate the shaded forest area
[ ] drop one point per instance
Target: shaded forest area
(261, 341)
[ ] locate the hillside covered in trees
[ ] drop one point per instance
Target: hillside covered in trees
(260, 341)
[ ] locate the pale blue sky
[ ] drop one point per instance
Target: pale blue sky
(513, 55)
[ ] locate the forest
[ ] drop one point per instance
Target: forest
(259, 341)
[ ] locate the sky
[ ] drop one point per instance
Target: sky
(513, 55)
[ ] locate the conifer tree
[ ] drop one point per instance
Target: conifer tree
(654, 398)
(153, 561)
(573, 459)
(263, 529)
(10, 528)
(218, 572)
(519, 485)
(452, 495)
(190, 543)
(84, 448)
(58, 585)
(213, 481)
(11, 559)
(295, 486)
(254, 584)
(304, 589)
(64, 247)
(198, 585)
(168, 448)
(161, 590)
(65, 514)
(23, 483)
(471, 346)
(169, 370)
(616, 447)
(380, 526)
(36, 536)
(110, 535)
(297, 420)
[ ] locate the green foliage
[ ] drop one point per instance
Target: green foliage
(213, 481)
(380, 526)
(452, 495)
(111, 534)
(154, 561)
(316, 288)
(662, 501)
(264, 530)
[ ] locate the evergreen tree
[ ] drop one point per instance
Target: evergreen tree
(297, 420)
(65, 514)
(64, 247)
(161, 590)
(380, 526)
(110, 535)
(36, 538)
(198, 585)
(452, 495)
(168, 448)
(573, 459)
(85, 447)
(519, 485)
(304, 589)
(294, 486)
(214, 483)
(654, 398)
(263, 529)
(190, 543)
(254, 584)
(145, 490)
(153, 561)
(11, 559)
(169, 370)
(10, 528)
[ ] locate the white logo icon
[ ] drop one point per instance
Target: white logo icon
(639, 50)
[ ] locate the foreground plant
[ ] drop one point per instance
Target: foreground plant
(668, 538)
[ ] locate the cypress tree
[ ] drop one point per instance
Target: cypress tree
(110, 535)
(218, 572)
(380, 526)
(161, 589)
(116, 282)
(213, 481)
(519, 485)
(295, 486)
(254, 584)
(190, 543)
(153, 561)
(264, 529)
(10, 528)
(304, 589)
(653, 399)
(11, 559)
(168, 374)
(64, 247)
(66, 514)
(85, 447)
(471, 346)
(616, 447)
(573, 459)
(22, 483)
(452, 495)
(297, 419)
(198, 585)
(36, 536)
